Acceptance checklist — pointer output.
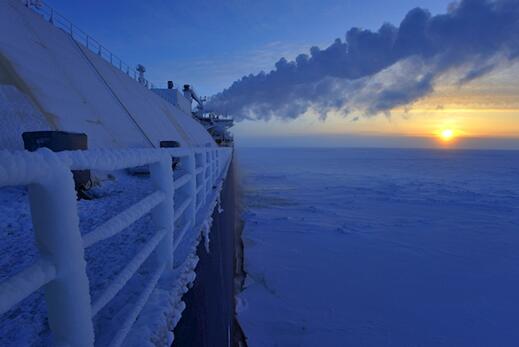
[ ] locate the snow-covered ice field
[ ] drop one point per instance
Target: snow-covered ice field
(380, 247)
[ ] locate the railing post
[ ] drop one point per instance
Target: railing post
(161, 175)
(56, 226)
(197, 179)
(205, 178)
(191, 168)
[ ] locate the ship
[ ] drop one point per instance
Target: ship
(217, 125)
(121, 193)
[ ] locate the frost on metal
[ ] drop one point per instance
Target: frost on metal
(123, 219)
(110, 160)
(160, 317)
(62, 269)
(55, 221)
(21, 167)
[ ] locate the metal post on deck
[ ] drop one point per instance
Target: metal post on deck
(204, 178)
(56, 226)
(211, 170)
(191, 168)
(161, 175)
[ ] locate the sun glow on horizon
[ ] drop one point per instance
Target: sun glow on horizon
(447, 135)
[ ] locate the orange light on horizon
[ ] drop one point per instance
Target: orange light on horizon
(447, 135)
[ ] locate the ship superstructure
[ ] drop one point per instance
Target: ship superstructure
(217, 125)
(112, 270)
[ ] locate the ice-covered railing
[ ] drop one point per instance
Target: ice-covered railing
(59, 21)
(61, 269)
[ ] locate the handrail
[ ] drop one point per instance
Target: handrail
(14, 290)
(129, 270)
(183, 180)
(123, 219)
(179, 213)
(181, 235)
(62, 268)
(78, 35)
(137, 308)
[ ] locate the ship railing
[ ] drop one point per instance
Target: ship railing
(59, 21)
(61, 267)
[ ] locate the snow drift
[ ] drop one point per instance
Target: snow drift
(373, 72)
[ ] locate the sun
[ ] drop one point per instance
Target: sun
(447, 134)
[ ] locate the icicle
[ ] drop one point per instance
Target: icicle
(205, 232)
(219, 204)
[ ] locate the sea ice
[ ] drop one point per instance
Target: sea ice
(380, 247)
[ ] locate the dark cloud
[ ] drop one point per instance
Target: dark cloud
(374, 72)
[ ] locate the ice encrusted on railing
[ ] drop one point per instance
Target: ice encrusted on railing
(22, 168)
(123, 219)
(61, 269)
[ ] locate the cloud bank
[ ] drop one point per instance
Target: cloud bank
(369, 73)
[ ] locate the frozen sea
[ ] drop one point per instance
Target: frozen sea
(380, 247)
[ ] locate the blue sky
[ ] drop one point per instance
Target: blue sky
(212, 43)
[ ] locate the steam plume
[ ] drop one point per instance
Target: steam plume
(373, 72)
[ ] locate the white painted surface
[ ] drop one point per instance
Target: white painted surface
(76, 90)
